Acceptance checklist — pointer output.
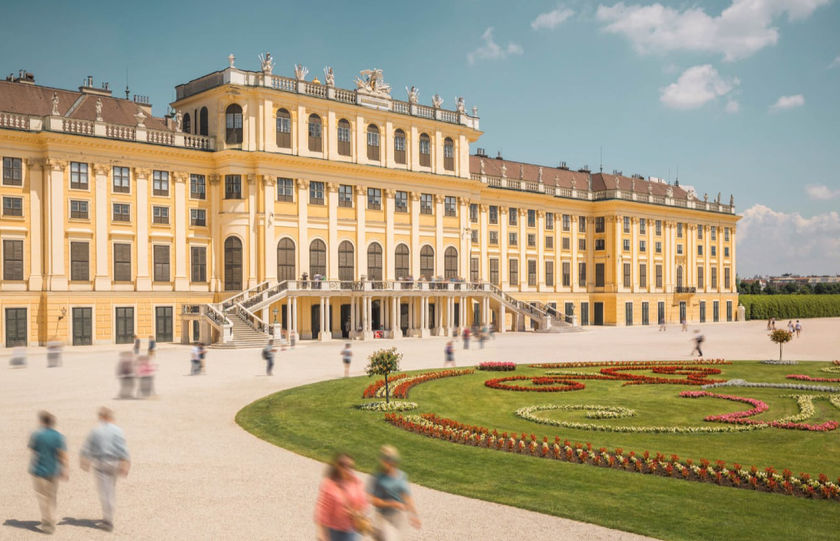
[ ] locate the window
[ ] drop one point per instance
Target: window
(642, 225)
(679, 230)
(582, 274)
(658, 247)
(12, 259)
(427, 262)
(494, 237)
(658, 227)
(373, 143)
(233, 125)
(699, 249)
(549, 221)
(700, 281)
(726, 234)
(645, 313)
(600, 224)
(566, 243)
(473, 213)
(513, 271)
(450, 206)
(316, 193)
(599, 275)
(285, 189)
(12, 171)
(233, 187)
(284, 129)
(628, 313)
(513, 212)
(679, 249)
(582, 224)
(713, 278)
(582, 245)
(317, 259)
(374, 264)
(12, 206)
(401, 262)
(121, 179)
(123, 324)
(285, 260)
(122, 262)
(345, 195)
(450, 263)
(399, 146)
(79, 261)
(448, 154)
(425, 203)
(198, 264)
(493, 217)
(202, 122)
(713, 249)
(122, 212)
(700, 232)
(643, 246)
(549, 273)
(78, 176)
(713, 232)
(161, 257)
(567, 222)
(659, 276)
(79, 210)
(474, 276)
(727, 276)
(198, 217)
(160, 215)
(532, 272)
(512, 239)
(642, 275)
(726, 251)
(567, 274)
(494, 271)
(626, 224)
(532, 240)
(343, 137)
(627, 280)
(549, 242)
(401, 201)
(187, 123)
(198, 187)
(532, 218)
(474, 236)
(600, 244)
(625, 245)
(374, 198)
(315, 144)
(346, 256)
(160, 183)
(425, 150)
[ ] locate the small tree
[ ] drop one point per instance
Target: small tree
(382, 363)
(780, 336)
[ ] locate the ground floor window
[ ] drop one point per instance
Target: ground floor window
(645, 313)
(124, 325)
(702, 311)
(728, 310)
(82, 319)
(584, 313)
(628, 313)
(15, 327)
(163, 323)
(715, 311)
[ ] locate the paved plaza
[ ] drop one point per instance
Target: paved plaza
(197, 475)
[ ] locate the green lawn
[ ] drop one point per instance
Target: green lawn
(318, 419)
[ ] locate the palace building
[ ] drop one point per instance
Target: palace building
(268, 205)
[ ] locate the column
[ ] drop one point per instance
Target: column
(502, 317)
(303, 226)
(415, 233)
(573, 245)
(288, 318)
(296, 326)
(411, 315)
(634, 249)
(332, 229)
(618, 255)
(483, 241)
(269, 241)
(36, 172)
(141, 211)
(424, 317)
(465, 251)
(504, 275)
(182, 282)
(361, 250)
(389, 231)
(396, 331)
(462, 307)
(252, 231)
(439, 316)
(56, 275)
(523, 258)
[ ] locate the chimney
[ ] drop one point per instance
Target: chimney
(88, 88)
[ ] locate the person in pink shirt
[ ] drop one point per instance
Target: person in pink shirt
(340, 497)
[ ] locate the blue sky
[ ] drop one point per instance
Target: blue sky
(742, 96)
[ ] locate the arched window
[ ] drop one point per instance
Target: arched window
(449, 154)
(402, 265)
(343, 137)
(399, 146)
(373, 142)
(285, 260)
(233, 125)
(186, 124)
(345, 261)
(450, 263)
(202, 122)
(317, 258)
(284, 129)
(425, 150)
(374, 271)
(679, 276)
(427, 262)
(233, 264)
(315, 144)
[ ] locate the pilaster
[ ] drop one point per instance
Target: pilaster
(361, 224)
(57, 275)
(269, 242)
(438, 236)
(36, 172)
(252, 231)
(141, 176)
(303, 226)
(415, 233)
(388, 196)
(332, 229)
(181, 217)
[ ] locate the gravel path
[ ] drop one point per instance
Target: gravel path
(197, 475)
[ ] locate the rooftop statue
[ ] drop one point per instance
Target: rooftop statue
(99, 109)
(437, 101)
(539, 175)
(231, 60)
(521, 172)
(482, 165)
(459, 104)
(731, 200)
(670, 191)
(179, 117)
(140, 117)
(504, 170)
(329, 76)
(266, 63)
(300, 72)
(371, 82)
(475, 110)
(54, 111)
(413, 94)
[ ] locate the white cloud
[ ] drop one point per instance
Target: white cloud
(732, 106)
(492, 50)
(551, 19)
(788, 102)
(742, 29)
(771, 242)
(696, 86)
(821, 192)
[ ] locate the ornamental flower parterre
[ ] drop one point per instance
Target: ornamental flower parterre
(742, 417)
(497, 366)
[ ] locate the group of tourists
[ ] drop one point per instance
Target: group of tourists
(481, 334)
(136, 372)
(792, 328)
(104, 451)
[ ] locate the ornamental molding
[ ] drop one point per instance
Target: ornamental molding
(101, 169)
(55, 164)
(142, 172)
(180, 177)
(214, 178)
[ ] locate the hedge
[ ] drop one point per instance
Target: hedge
(790, 306)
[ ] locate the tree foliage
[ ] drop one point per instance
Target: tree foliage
(383, 362)
(780, 336)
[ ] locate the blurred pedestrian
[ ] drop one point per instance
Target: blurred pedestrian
(391, 498)
(482, 336)
(202, 355)
(146, 375)
(684, 324)
(106, 451)
(268, 354)
(662, 324)
(698, 343)
(791, 328)
(466, 337)
(449, 354)
(342, 504)
(798, 328)
(126, 373)
(346, 358)
(136, 348)
(49, 464)
(152, 347)
(195, 360)
(18, 359)
(53, 353)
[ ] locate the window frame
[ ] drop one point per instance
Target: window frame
(13, 259)
(316, 192)
(121, 249)
(233, 187)
(159, 267)
(198, 265)
(285, 189)
(117, 216)
(120, 179)
(12, 171)
(79, 268)
(10, 210)
(160, 183)
(79, 171)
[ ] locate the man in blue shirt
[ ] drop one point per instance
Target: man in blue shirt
(105, 449)
(49, 464)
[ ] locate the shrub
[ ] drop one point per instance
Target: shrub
(790, 306)
(382, 362)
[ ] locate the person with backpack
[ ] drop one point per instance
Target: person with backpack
(268, 354)
(346, 358)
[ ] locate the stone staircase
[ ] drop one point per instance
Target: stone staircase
(243, 335)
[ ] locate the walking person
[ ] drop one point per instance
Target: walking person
(791, 328)
(136, 348)
(195, 360)
(126, 373)
(449, 355)
(346, 358)
(698, 342)
(482, 336)
(391, 498)
(798, 328)
(106, 452)
(49, 464)
(662, 324)
(466, 337)
(684, 325)
(146, 376)
(268, 354)
(202, 354)
(342, 504)
(18, 359)
(152, 349)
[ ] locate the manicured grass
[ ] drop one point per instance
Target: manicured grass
(317, 420)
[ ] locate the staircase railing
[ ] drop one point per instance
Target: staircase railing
(253, 321)
(228, 303)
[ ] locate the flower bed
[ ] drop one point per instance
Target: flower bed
(401, 390)
(771, 361)
(742, 417)
(388, 406)
(497, 366)
(763, 385)
(588, 364)
(542, 382)
(803, 377)
(373, 390)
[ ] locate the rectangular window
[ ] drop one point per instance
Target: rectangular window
(645, 313)
(628, 313)
(582, 224)
(473, 213)
(726, 234)
(474, 236)
(549, 273)
(699, 249)
(625, 245)
(198, 187)
(122, 179)
(474, 277)
(79, 210)
(642, 275)
(728, 310)
(450, 206)
(679, 230)
(494, 237)
(124, 325)
(600, 224)
(233, 186)
(494, 271)
(567, 274)
(426, 203)
(12, 259)
(582, 274)
(12, 171)
(549, 221)
(12, 206)
(198, 264)
(374, 199)
(513, 271)
(627, 280)
(494, 214)
(122, 262)
(713, 249)
(512, 214)
(713, 279)
(532, 218)
(532, 272)
(627, 224)
(599, 275)
(679, 249)
(643, 246)
(658, 247)
(316, 193)
(78, 176)
(566, 243)
(715, 311)
(727, 283)
(512, 239)
(658, 228)
(532, 240)
(700, 232)
(642, 225)
(600, 244)
(345, 196)
(160, 183)
(701, 283)
(702, 311)
(79, 261)
(713, 232)
(659, 276)
(161, 262)
(726, 251)
(549, 242)
(198, 217)
(285, 189)
(567, 222)
(122, 212)
(160, 215)
(582, 245)
(401, 201)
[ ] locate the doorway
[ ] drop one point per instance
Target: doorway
(163, 323)
(82, 326)
(598, 313)
(345, 320)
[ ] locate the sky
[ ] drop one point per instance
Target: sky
(740, 97)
